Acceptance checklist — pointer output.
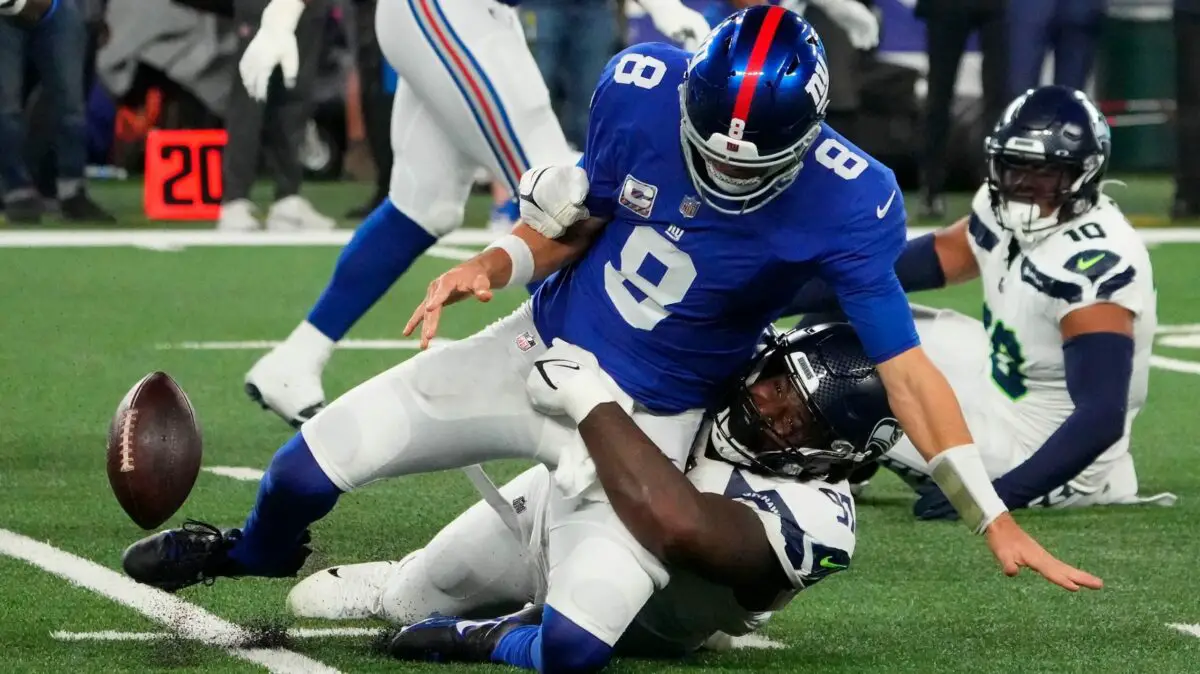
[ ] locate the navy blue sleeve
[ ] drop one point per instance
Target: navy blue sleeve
(861, 270)
(1101, 396)
(917, 269)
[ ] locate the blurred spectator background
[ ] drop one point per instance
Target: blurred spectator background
(87, 86)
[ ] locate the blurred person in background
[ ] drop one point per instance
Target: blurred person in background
(1070, 28)
(948, 24)
(54, 43)
(276, 125)
(1187, 121)
(470, 95)
(376, 103)
(571, 41)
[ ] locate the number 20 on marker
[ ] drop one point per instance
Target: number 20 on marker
(183, 174)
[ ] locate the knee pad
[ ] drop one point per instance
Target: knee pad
(567, 648)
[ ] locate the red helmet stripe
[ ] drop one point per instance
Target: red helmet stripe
(758, 55)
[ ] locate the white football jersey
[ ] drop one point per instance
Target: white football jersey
(810, 525)
(1095, 258)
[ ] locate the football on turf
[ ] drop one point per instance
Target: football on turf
(154, 449)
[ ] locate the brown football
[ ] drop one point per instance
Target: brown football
(154, 450)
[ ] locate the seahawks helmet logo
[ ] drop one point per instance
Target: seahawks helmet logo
(885, 436)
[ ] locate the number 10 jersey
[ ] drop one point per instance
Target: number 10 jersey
(1028, 290)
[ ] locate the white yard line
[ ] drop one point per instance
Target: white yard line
(177, 239)
(264, 344)
(236, 472)
(187, 620)
(1175, 365)
(293, 633)
(1193, 630)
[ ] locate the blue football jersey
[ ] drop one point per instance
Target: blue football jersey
(672, 296)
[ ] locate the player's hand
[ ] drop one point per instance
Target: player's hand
(551, 198)
(567, 381)
(273, 46)
(932, 504)
(680, 23)
(860, 23)
(468, 278)
(1014, 549)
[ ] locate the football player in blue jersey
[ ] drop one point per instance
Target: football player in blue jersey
(714, 190)
(762, 513)
(469, 95)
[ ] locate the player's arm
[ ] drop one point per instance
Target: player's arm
(516, 259)
(715, 537)
(920, 396)
(29, 11)
(1101, 332)
(928, 262)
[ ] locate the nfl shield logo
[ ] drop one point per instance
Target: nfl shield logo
(689, 207)
(526, 341)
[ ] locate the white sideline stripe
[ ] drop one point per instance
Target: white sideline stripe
(236, 472)
(1175, 365)
(176, 239)
(351, 344)
(294, 633)
(1181, 340)
(1193, 630)
(452, 252)
(1177, 329)
(188, 620)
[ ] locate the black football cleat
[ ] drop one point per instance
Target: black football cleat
(450, 639)
(195, 553)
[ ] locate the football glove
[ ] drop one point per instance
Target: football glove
(568, 381)
(682, 24)
(551, 198)
(11, 7)
(861, 24)
(273, 46)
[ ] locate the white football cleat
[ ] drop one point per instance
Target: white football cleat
(287, 380)
(350, 592)
(238, 216)
(297, 214)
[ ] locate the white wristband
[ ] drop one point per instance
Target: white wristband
(522, 259)
(13, 9)
(282, 15)
(960, 473)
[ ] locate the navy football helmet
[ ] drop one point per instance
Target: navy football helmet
(1046, 159)
(752, 103)
(823, 413)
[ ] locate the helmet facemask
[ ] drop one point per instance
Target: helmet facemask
(729, 173)
(1033, 196)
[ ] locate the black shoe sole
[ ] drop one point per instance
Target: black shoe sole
(305, 414)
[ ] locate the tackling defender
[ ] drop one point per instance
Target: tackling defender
(763, 512)
(1054, 376)
(715, 191)
(469, 95)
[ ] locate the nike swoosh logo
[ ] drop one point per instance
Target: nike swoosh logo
(555, 362)
(828, 563)
(881, 211)
(1087, 264)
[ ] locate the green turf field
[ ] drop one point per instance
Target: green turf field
(81, 325)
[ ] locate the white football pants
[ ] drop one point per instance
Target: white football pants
(469, 95)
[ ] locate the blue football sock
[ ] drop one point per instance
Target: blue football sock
(558, 646)
(512, 208)
(520, 647)
(293, 494)
(382, 249)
